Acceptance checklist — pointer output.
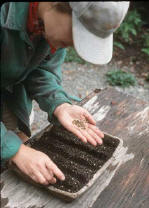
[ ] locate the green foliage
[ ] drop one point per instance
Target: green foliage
(120, 78)
(145, 41)
(131, 30)
(119, 45)
(145, 50)
(147, 78)
(72, 56)
(130, 27)
(143, 8)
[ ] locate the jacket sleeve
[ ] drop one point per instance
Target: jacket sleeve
(44, 83)
(10, 143)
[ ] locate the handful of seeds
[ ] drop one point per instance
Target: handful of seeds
(80, 123)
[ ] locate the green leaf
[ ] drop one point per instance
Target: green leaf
(145, 50)
(120, 78)
(119, 45)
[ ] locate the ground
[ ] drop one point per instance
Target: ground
(132, 57)
(79, 80)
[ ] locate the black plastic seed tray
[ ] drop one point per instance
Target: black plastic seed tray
(81, 163)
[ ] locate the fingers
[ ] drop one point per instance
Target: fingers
(44, 173)
(38, 177)
(89, 137)
(48, 170)
(77, 132)
(55, 170)
(89, 117)
(91, 134)
(80, 135)
(96, 130)
(40, 174)
(37, 165)
(94, 134)
(48, 175)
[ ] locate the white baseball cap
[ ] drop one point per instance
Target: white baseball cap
(93, 24)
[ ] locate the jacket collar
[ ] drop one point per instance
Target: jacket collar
(14, 15)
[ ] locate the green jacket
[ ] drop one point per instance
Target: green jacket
(28, 71)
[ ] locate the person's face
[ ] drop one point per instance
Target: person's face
(58, 29)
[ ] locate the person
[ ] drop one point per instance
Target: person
(33, 40)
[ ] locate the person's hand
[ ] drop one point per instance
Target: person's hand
(37, 165)
(69, 115)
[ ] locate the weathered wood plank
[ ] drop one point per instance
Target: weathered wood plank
(128, 118)
(125, 183)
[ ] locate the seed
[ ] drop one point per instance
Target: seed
(79, 123)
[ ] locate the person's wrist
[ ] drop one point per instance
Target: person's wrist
(22, 136)
(60, 107)
(14, 157)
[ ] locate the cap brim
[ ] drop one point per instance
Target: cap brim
(90, 47)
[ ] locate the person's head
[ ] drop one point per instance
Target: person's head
(88, 26)
(57, 18)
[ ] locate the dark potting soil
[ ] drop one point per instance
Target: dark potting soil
(78, 161)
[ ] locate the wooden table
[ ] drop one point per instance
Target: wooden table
(125, 183)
